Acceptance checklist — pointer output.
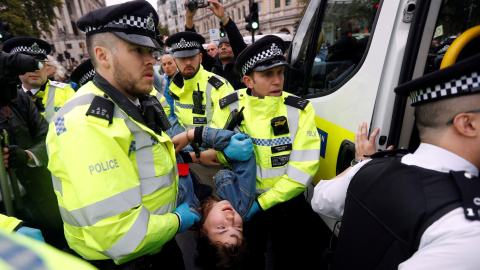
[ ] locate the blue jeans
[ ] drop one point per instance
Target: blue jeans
(236, 186)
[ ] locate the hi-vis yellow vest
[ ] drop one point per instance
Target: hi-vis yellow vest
(213, 87)
(54, 96)
(116, 182)
(286, 163)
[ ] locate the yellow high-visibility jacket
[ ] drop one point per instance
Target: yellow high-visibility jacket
(286, 163)
(9, 224)
(115, 179)
(54, 95)
(213, 88)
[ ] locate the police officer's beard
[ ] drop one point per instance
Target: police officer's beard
(126, 80)
(190, 75)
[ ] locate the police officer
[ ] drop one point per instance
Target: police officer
(419, 210)
(113, 164)
(48, 96)
(287, 149)
(194, 89)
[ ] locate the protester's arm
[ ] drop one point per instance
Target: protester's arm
(207, 60)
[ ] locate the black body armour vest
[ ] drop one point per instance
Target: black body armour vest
(388, 207)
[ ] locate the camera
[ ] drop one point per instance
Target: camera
(194, 4)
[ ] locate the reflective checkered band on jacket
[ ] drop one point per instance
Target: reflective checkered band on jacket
(60, 125)
(271, 142)
(466, 83)
(188, 106)
(273, 51)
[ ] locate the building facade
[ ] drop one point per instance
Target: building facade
(67, 39)
(275, 16)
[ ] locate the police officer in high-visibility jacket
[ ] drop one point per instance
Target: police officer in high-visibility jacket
(287, 149)
(49, 96)
(194, 89)
(113, 163)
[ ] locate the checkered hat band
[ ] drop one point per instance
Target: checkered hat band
(27, 49)
(271, 142)
(185, 45)
(86, 77)
(455, 87)
(133, 21)
(272, 52)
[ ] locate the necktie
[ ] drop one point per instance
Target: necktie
(29, 93)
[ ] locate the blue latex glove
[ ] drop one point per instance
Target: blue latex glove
(239, 148)
(32, 233)
(253, 210)
(187, 218)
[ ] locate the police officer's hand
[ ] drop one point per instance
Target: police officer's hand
(239, 147)
(186, 217)
(253, 210)
(31, 232)
(363, 144)
(209, 157)
(15, 157)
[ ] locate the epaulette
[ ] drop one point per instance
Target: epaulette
(178, 80)
(102, 108)
(393, 152)
(296, 102)
(228, 99)
(173, 95)
(59, 84)
(215, 82)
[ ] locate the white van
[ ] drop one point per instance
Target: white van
(372, 46)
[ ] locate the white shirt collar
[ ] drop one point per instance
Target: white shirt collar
(34, 91)
(435, 158)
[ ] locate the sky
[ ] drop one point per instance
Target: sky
(114, 2)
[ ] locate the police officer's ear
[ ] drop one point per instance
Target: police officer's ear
(248, 80)
(102, 56)
(467, 124)
(201, 57)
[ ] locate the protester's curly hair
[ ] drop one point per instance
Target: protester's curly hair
(217, 255)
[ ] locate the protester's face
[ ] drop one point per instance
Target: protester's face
(168, 65)
(189, 66)
(36, 79)
(225, 51)
(50, 69)
(212, 49)
(223, 224)
(266, 83)
(133, 69)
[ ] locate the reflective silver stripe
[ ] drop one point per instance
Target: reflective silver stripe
(167, 208)
(164, 103)
(299, 175)
(150, 185)
(50, 105)
(208, 103)
(130, 240)
(263, 173)
(72, 103)
(177, 105)
(57, 184)
(261, 190)
(305, 155)
(293, 117)
(109, 207)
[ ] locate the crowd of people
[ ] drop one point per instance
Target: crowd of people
(212, 143)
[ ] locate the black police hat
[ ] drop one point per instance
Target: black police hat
(83, 73)
(135, 22)
(35, 47)
(185, 44)
(462, 78)
(266, 53)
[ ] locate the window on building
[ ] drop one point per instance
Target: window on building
(54, 50)
(69, 46)
(259, 7)
(288, 2)
(239, 15)
(233, 14)
(277, 3)
(243, 12)
(173, 7)
(69, 8)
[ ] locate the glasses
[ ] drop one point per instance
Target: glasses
(210, 50)
(451, 121)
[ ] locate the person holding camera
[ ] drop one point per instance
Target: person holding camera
(48, 96)
(113, 164)
(228, 47)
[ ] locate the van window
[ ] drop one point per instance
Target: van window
(454, 18)
(340, 41)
